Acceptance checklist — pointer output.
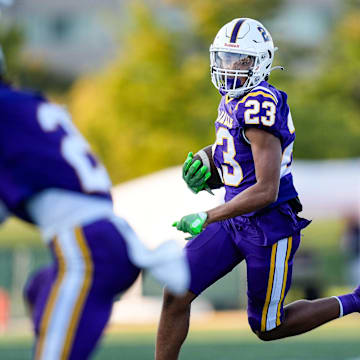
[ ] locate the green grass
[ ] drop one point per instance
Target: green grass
(236, 345)
(337, 341)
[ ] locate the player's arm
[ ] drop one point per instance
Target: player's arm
(266, 151)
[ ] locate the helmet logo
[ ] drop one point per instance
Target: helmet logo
(232, 45)
(263, 33)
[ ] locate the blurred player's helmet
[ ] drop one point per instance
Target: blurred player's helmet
(2, 62)
(241, 56)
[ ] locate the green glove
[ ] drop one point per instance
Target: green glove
(194, 175)
(192, 224)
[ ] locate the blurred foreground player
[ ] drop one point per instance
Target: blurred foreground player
(49, 177)
(258, 222)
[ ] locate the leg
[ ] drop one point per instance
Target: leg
(269, 272)
(269, 279)
(211, 255)
(174, 325)
(92, 266)
(302, 316)
(37, 283)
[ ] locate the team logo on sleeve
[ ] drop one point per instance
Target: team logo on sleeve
(225, 119)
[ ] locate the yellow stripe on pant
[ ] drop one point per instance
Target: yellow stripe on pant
(269, 288)
(288, 252)
(67, 298)
(51, 302)
(278, 273)
(78, 309)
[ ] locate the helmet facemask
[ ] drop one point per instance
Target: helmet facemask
(237, 73)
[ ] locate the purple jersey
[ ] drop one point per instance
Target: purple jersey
(266, 108)
(41, 149)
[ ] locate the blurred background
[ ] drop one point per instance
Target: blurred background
(135, 77)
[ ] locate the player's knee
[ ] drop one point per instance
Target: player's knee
(168, 299)
(175, 303)
(256, 329)
(264, 335)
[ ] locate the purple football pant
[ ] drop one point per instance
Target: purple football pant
(218, 249)
(72, 299)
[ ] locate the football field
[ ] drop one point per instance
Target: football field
(222, 337)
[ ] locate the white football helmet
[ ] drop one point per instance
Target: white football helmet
(241, 56)
(2, 62)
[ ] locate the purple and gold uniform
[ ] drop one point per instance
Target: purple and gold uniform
(267, 239)
(49, 177)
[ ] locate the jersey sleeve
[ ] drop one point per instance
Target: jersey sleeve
(261, 110)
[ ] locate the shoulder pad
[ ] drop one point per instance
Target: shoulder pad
(259, 92)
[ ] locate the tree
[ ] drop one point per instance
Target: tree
(155, 102)
(326, 107)
(150, 106)
(209, 15)
(25, 73)
(11, 40)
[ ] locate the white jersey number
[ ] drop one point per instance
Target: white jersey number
(254, 109)
(235, 176)
(286, 160)
(290, 123)
(74, 148)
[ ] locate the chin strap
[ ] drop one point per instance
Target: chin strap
(277, 68)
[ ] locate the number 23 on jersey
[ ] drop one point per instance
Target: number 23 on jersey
(251, 115)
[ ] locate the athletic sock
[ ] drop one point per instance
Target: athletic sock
(349, 303)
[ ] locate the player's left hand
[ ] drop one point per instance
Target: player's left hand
(192, 224)
(195, 175)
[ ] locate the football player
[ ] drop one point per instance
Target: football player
(49, 177)
(258, 222)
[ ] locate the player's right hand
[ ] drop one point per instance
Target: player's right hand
(194, 174)
(192, 224)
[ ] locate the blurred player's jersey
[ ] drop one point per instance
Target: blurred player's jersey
(41, 150)
(265, 108)
(49, 177)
